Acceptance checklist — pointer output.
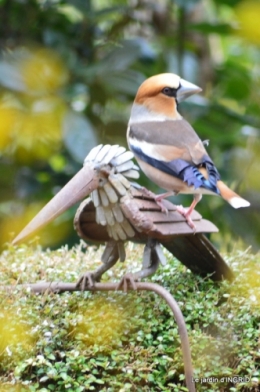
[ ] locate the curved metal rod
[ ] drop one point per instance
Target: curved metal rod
(60, 287)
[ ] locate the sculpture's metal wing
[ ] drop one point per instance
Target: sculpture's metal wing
(104, 176)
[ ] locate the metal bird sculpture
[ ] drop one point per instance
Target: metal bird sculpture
(119, 210)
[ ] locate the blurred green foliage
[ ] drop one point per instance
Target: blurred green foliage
(68, 75)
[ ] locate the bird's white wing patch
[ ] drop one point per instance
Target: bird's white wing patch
(147, 148)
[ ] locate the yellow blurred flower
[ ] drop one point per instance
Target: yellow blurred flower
(39, 133)
(12, 225)
(31, 121)
(33, 131)
(247, 13)
(43, 71)
(101, 322)
(13, 333)
(53, 234)
(8, 120)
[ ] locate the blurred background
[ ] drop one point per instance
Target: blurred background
(69, 71)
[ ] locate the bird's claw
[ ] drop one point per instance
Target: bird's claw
(160, 204)
(186, 214)
(156, 198)
(86, 281)
(125, 282)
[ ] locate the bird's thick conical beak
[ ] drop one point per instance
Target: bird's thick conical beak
(186, 89)
(81, 185)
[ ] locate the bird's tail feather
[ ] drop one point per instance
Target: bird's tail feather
(231, 197)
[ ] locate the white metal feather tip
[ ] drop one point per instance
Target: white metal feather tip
(116, 156)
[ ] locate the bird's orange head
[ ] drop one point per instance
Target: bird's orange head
(161, 93)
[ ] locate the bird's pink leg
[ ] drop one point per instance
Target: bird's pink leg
(158, 200)
(186, 212)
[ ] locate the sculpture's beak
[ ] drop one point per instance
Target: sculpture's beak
(81, 185)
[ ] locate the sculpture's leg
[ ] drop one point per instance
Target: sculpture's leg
(109, 258)
(126, 281)
(152, 257)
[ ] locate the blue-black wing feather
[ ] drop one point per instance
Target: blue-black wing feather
(185, 171)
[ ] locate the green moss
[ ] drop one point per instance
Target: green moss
(125, 342)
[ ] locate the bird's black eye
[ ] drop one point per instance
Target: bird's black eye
(166, 90)
(169, 91)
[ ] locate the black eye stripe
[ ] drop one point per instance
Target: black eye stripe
(170, 91)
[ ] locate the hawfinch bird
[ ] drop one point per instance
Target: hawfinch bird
(168, 149)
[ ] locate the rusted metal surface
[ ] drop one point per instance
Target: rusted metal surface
(200, 256)
(60, 287)
(145, 217)
(192, 249)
